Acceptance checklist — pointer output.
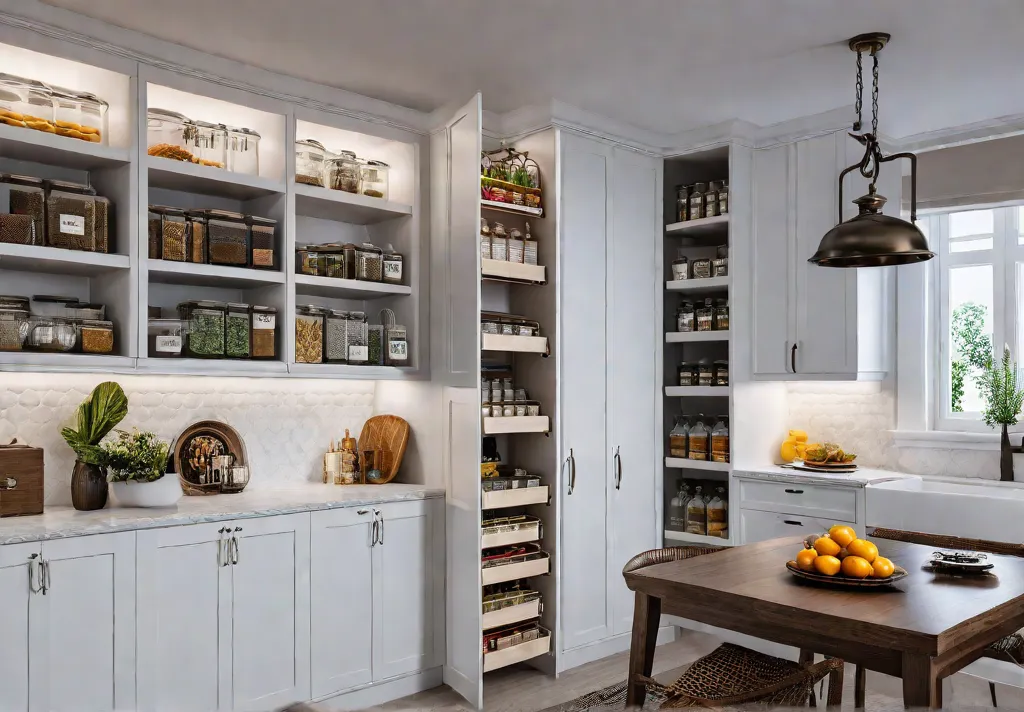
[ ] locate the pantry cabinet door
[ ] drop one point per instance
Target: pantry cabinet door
(632, 346)
(270, 612)
(403, 615)
(584, 231)
(82, 648)
(19, 576)
(341, 600)
(184, 619)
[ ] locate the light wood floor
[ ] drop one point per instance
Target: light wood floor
(519, 688)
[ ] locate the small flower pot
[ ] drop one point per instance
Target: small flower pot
(164, 492)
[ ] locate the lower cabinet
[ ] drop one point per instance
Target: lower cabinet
(761, 526)
(773, 508)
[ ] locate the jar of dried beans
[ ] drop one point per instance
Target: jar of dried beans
(27, 199)
(356, 337)
(309, 334)
(14, 326)
(204, 336)
(309, 162)
(228, 238)
(369, 262)
(173, 235)
(264, 332)
(96, 337)
(336, 336)
(71, 216)
(263, 242)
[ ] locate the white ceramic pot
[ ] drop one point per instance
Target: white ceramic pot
(164, 492)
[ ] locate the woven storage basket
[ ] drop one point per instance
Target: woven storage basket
(389, 435)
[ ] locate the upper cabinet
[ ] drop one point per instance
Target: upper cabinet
(810, 322)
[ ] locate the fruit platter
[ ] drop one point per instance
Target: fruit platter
(840, 558)
(799, 454)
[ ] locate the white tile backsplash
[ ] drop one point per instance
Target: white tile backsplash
(286, 424)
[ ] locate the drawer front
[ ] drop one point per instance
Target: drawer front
(839, 503)
(758, 526)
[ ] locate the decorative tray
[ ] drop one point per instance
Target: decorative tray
(843, 581)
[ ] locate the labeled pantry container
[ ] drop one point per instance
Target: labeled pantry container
(310, 157)
(204, 334)
(27, 200)
(166, 337)
(264, 332)
(228, 238)
(309, 334)
(95, 336)
(262, 239)
(237, 330)
(71, 217)
(243, 151)
(373, 179)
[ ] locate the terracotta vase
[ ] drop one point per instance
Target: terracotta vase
(1005, 458)
(88, 487)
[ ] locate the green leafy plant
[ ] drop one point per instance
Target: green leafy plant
(98, 414)
(972, 349)
(1003, 396)
(138, 456)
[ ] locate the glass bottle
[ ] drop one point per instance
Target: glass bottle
(677, 437)
(698, 440)
(697, 201)
(696, 514)
(718, 515)
(723, 198)
(686, 317)
(720, 440)
(711, 200)
(682, 202)
(677, 507)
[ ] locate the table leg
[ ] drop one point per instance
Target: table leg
(646, 619)
(922, 686)
(860, 687)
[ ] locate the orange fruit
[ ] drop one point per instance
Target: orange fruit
(883, 568)
(856, 567)
(805, 559)
(828, 565)
(864, 549)
(826, 547)
(842, 534)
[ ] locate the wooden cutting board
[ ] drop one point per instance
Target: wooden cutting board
(389, 435)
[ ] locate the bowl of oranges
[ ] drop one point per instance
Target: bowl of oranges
(841, 558)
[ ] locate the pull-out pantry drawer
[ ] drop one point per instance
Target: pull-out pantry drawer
(758, 526)
(838, 503)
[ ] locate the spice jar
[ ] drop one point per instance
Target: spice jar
(705, 372)
(264, 332)
(721, 315)
(243, 151)
(311, 260)
(720, 375)
(499, 242)
(166, 337)
(397, 346)
(677, 437)
(51, 333)
(696, 210)
(336, 336)
(685, 317)
(228, 238)
(515, 246)
(71, 216)
(682, 202)
(237, 331)
(688, 375)
(723, 197)
(204, 335)
(197, 229)
(373, 179)
(530, 248)
(680, 268)
(27, 198)
(95, 337)
(369, 261)
(356, 335)
(309, 162)
(711, 200)
(705, 316)
(173, 235)
(701, 269)
(14, 327)
(392, 266)
(485, 239)
(262, 242)
(309, 334)
(343, 172)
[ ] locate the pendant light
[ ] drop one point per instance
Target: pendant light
(871, 239)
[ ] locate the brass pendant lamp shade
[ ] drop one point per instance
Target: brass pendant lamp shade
(871, 239)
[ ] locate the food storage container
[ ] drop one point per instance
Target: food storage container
(197, 250)
(499, 243)
(373, 179)
(14, 302)
(309, 334)
(309, 162)
(515, 246)
(723, 197)
(349, 252)
(396, 346)
(67, 112)
(84, 310)
(94, 117)
(705, 316)
(485, 239)
(369, 262)
(227, 237)
(26, 103)
(71, 216)
(156, 214)
(705, 372)
(682, 202)
(204, 334)
(51, 333)
(17, 229)
(173, 235)
(95, 336)
(711, 200)
(688, 375)
(104, 228)
(166, 337)
(720, 375)
(237, 331)
(686, 317)
(14, 327)
(342, 172)
(701, 269)
(680, 268)
(208, 143)
(375, 344)
(263, 242)
(677, 437)
(530, 248)
(357, 334)
(166, 133)
(721, 315)
(336, 336)
(696, 209)
(334, 257)
(264, 332)
(392, 266)
(27, 198)
(311, 260)
(243, 150)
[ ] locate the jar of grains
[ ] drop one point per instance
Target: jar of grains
(349, 252)
(237, 331)
(71, 216)
(228, 238)
(309, 162)
(156, 214)
(264, 332)
(309, 334)
(723, 198)
(204, 334)
(27, 199)
(51, 333)
(335, 336)
(197, 251)
(373, 179)
(14, 326)
(343, 172)
(721, 373)
(334, 260)
(369, 263)
(166, 337)
(173, 235)
(311, 260)
(375, 345)
(682, 202)
(262, 241)
(96, 337)
(355, 337)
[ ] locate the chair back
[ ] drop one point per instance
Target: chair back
(950, 542)
(662, 556)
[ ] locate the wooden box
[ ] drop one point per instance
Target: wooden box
(21, 480)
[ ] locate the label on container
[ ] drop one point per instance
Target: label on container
(392, 270)
(168, 344)
(42, 335)
(358, 353)
(72, 224)
(398, 350)
(262, 322)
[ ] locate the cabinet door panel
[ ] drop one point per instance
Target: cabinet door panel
(632, 346)
(403, 591)
(184, 619)
(583, 559)
(341, 600)
(16, 598)
(270, 613)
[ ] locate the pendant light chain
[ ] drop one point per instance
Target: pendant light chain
(859, 103)
(874, 97)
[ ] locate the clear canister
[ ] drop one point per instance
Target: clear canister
(173, 235)
(197, 250)
(243, 151)
(94, 117)
(208, 143)
(71, 216)
(392, 266)
(227, 237)
(264, 332)
(263, 242)
(237, 331)
(373, 178)
(27, 198)
(95, 336)
(343, 171)
(51, 333)
(14, 328)
(311, 260)
(309, 162)
(396, 347)
(166, 133)
(369, 262)
(356, 335)
(336, 336)
(204, 337)
(166, 337)
(26, 103)
(309, 334)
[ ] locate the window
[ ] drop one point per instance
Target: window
(980, 293)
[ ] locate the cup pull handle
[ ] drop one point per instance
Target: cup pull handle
(794, 491)
(792, 522)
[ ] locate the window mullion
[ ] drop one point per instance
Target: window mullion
(1002, 286)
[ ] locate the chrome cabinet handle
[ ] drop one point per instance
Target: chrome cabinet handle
(234, 542)
(363, 511)
(792, 358)
(572, 471)
(378, 528)
(223, 548)
(618, 468)
(45, 568)
(381, 540)
(794, 491)
(35, 568)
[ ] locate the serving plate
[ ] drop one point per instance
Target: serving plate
(962, 562)
(834, 469)
(843, 581)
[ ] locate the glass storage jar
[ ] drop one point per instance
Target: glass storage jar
(499, 243)
(263, 242)
(698, 444)
(485, 239)
(686, 317)
(228, 238)
(723, 198)
(515, 246)
(696, 210)
(677, 437)
(311, 260)
(84, 310)
(8, 301)
(71, 216)
(173, 235)
(696, 508)
(391, 266)
(373, 179)
(718, 513)
(369, 261)
(264, 332)
(94, 117)
(705, 372)
(166, 337)
(237, 330)
(156, 213)
(681, 268)
(349, 252)
(209, 144)
(67, 112)
(720, 440)
(26, 103)
(166, 133)
(688, 374)
(705, 316)
(396, 346)
(309, 162)
(336, 336)
(375, 345)
(104, 229)
(27, 199)
(711, 200)
(682, 202)
(334, 259)
(197, 247)
(51, 333)
(356, 337)
(14, 328)
(17, 229)
(204, 334)
(700, 269)
(530, 248)
(343, 172)
(720, 375)
(309, 334)
(721, 315)
(243, 151)
(95, 336)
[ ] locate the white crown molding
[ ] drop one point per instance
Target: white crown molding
(999, 127)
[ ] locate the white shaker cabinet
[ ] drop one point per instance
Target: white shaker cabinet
(19, 579)
(811, 322)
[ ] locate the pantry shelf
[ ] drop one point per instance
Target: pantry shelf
(516, 424)
(42, 147)
(715, 225)
(316, 202)
(518, 344)
(513, 572)
(511, 208)
(342, 370)
(201, 275)
(211, 367)
(686, 337)
(207, 180)
(512, 614)
(59, 363)
(697, 391)
(53, 260)
(513, 271)
(503, 499)
(517, 653)
(697, 286)
(696, 538)
(335, 288)
(687, 464)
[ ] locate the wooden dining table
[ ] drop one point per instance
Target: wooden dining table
(922, 628)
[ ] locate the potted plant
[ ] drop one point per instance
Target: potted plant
(98, 414)
(136, 463)
(1003, 399)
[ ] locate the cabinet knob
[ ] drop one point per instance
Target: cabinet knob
(9, 483)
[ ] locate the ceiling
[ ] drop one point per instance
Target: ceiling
(661, 65)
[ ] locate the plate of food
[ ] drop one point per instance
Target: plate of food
(840, 558)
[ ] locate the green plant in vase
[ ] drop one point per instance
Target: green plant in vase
(135, 456)
(1000, 386)
(97, 415)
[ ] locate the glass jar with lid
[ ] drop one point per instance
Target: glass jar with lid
(67, 112)
(343, 172)
(14, 328)
(369, 263)
(688, 374)
(681, 268)
(718, 515)
(333, 256)
(696, 512)
(705, 316)
(699, 441)
(264, 332)
(499, 242)
(696, 210)
(705, 372)
(204, 335)
(243, 150)
(392, 266)
(228, 238)
(711, 200)
(485, 239)
(197, 228)
(51, 333)
(336, 336)
(166, 133)
(720, 373)
(311, 260)
(262, 242)
(26, 103)
(682, 202)
(309, 162)
(309, 334)
(71, 216)
(237, 330)
(678, 505)
(93, 117)
(166, 337)
(677, 437)
(396, 346)
(721, 315)
(357, 335)
(95, 336)
(515, 246)
(686, 317)
(720, 440)
(531, 249)
(27, 198)
(373, 179)
(209, 143)
(173, 235)
(723, 197)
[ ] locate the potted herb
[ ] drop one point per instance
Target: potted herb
(98, 414)
(136, 463)
(1003, 399)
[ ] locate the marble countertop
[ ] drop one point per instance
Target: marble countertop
(862, 477)
(62, 522)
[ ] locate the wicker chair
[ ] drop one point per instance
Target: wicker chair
(732, 674)
(1010, 649)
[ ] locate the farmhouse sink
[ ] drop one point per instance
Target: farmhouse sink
(975, 509)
